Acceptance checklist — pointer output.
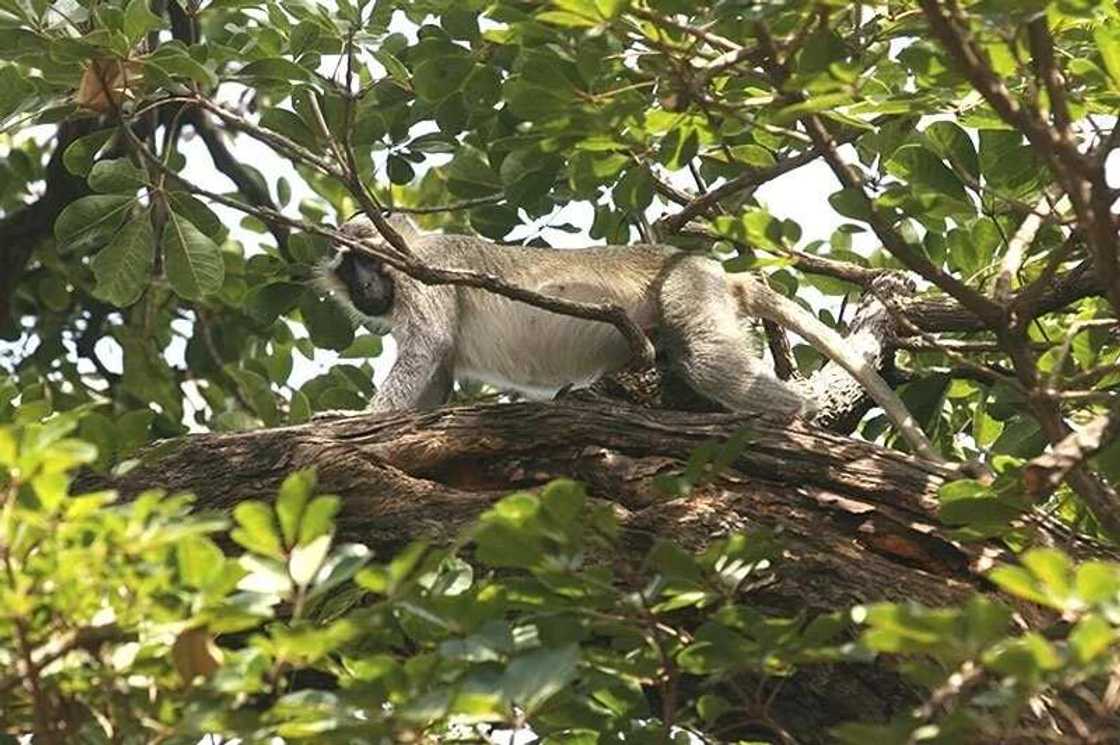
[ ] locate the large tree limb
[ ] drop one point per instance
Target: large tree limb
(412, 474)
(856, 521)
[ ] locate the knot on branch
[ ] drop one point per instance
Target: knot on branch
(880, 311)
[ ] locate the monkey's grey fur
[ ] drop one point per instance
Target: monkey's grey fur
(445, 332)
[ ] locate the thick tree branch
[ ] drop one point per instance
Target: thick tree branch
(945, 314)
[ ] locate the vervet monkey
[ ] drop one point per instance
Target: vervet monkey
(445, 332)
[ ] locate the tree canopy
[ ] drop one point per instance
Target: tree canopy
(174, 170)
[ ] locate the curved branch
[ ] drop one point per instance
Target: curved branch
(405, 262)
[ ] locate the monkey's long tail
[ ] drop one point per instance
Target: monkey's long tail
(759, 300)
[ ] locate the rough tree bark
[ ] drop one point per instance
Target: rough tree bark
(858, 521)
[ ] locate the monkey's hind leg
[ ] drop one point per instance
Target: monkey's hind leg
(710, 350)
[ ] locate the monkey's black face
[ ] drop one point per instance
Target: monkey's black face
(370, 288)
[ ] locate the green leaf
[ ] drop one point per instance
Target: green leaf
(174, 60)
(1090, 638)
(303, 36)
(200, 560)
(91, 215)
(753, 155)
(563, 502)
(1021, 437)
(436, 79)
(1018, 581)
(534, 102)
(283, 191)
(116, 176)
(265, 303)
(364, 347)
(923, 170)
(327, 323)
(812, 105)
(79, 155)
(851, 203)
(275, 68)
(293, 497)
(291, 125)
(392, 65)
(1052, 567)
(257, 529)
(1097, 582)
(300, 409)
(531, 679)
(192, 261)
(139, 20)
(1009, 164)
(198, 213)
(255, 389)
(400, 170)
(123, 269)
(953, 144)
(678, 148)
(14, 89)
(568, 19)
(318, 518)
(53, 292)
(1107, 37)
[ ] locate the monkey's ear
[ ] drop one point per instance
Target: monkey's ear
(361, 227)
(404, 225)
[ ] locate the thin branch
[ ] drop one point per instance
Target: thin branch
(923, 344)
(1042, 47)
(1044, 473)
(989, 312)
(465, 204)
(751, 179)
(806, 262)
(225, 162)
(1020, 244)
(605, 313)
(778, 342)
(1082, 177)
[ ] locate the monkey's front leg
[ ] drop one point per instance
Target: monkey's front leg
(421, 378)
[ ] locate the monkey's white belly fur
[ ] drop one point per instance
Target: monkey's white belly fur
(536, 352)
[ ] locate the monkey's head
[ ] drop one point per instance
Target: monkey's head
(363, 285)
(365, 282)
